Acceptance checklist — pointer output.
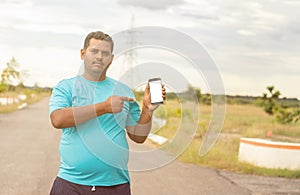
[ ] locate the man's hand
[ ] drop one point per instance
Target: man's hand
(114, 104)
(147, 98)
(140, 132)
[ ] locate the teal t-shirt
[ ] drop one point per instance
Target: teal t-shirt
(94, 153)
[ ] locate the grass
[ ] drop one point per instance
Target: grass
(240, 121)
(9, 108)
(35, 97)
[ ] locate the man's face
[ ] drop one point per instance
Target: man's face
(97, 57)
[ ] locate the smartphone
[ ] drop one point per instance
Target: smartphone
(156, 91)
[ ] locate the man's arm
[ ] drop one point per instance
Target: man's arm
(72, 116)
(140, 132)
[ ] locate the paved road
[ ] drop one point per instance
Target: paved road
(28, 150)
(29, 162)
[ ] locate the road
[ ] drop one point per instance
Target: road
(29, 162)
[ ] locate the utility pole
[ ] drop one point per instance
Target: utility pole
(130, 57)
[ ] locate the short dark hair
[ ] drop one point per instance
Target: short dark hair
(100, 36)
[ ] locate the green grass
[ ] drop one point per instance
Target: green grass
(14, 107)
(240, 121)
(8, 108)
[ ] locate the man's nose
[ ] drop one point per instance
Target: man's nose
(99, 56)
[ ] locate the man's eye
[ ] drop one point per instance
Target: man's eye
(105, 53)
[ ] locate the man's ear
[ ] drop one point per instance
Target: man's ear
(82, 54)
(112, 57)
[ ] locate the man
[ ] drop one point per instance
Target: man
(93, 110)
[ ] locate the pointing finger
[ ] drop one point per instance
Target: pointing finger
(127, 99)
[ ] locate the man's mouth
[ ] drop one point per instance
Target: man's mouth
(98, 64)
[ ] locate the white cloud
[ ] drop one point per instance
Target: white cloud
(152, 5)
(246, 32)
(292, 2)
(246, 38)
(201, 10)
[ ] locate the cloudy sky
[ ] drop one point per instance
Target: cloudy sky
(254, 43)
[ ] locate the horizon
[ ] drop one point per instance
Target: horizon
(231, 95)
(253, 43)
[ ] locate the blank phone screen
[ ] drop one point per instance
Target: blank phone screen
(156, 91)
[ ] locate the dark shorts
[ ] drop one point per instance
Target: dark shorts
(64, 187)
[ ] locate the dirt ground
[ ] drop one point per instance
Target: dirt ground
(29, 163)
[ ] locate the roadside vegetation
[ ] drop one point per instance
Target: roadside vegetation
(13, 93)
(241, 121)
(245, 117)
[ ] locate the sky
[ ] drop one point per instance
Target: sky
(254, 43)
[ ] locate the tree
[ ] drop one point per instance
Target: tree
(283, 115)
(269, 100)
(9, 75)
(192, 93)
(206, 99)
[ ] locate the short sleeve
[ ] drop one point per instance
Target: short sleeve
(61, 97)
